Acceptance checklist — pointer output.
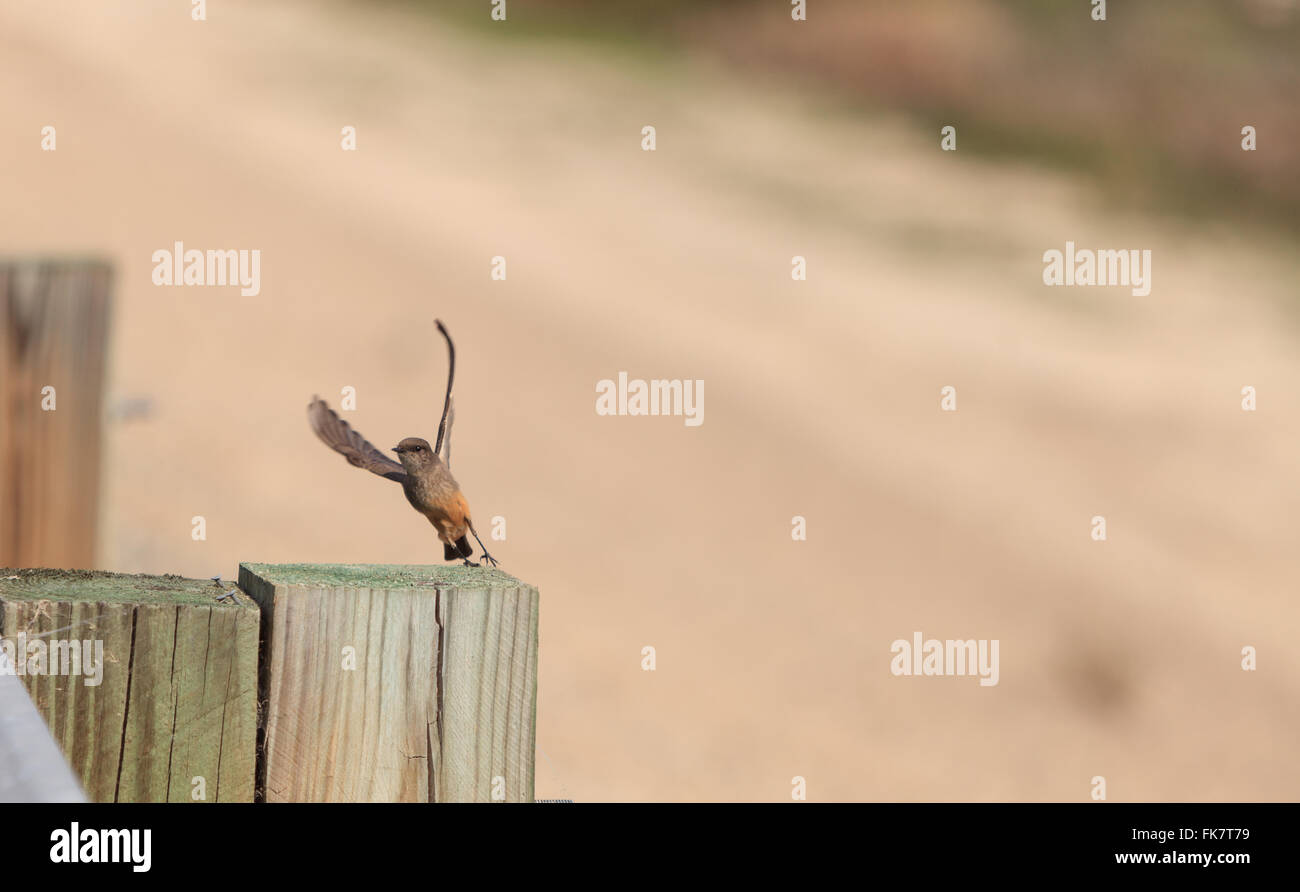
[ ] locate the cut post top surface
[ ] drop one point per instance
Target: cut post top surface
(118, 588)
(384, 576)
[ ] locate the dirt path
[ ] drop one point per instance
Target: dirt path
(1119, 659)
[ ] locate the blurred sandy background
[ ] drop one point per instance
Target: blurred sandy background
(822, 398)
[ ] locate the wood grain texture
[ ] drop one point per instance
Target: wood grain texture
(177, 698)
(53, 332)
(418, 688)
(489, 694)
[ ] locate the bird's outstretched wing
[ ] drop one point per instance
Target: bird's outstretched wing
(335, 433)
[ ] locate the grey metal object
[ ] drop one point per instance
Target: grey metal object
(31, 767)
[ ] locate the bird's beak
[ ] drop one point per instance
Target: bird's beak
(397, 450)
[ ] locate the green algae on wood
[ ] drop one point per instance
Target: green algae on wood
(385, 576)
(113, 588)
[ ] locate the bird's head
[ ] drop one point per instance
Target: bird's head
(415, 454)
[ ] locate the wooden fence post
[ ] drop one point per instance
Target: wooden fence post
(147, 683)
(396, 683)
(53, 329)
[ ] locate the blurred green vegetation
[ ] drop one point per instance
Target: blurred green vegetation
(1150, 102)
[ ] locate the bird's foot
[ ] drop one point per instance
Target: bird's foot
(491, 560)
(469, 563)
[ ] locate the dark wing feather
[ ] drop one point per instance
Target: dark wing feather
(335, 433)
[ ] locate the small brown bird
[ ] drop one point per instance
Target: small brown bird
(424, 471)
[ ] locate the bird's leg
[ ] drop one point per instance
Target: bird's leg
(487, 557)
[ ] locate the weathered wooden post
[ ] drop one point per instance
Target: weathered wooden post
(147, 683)
(53, 330)
(396, 683)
